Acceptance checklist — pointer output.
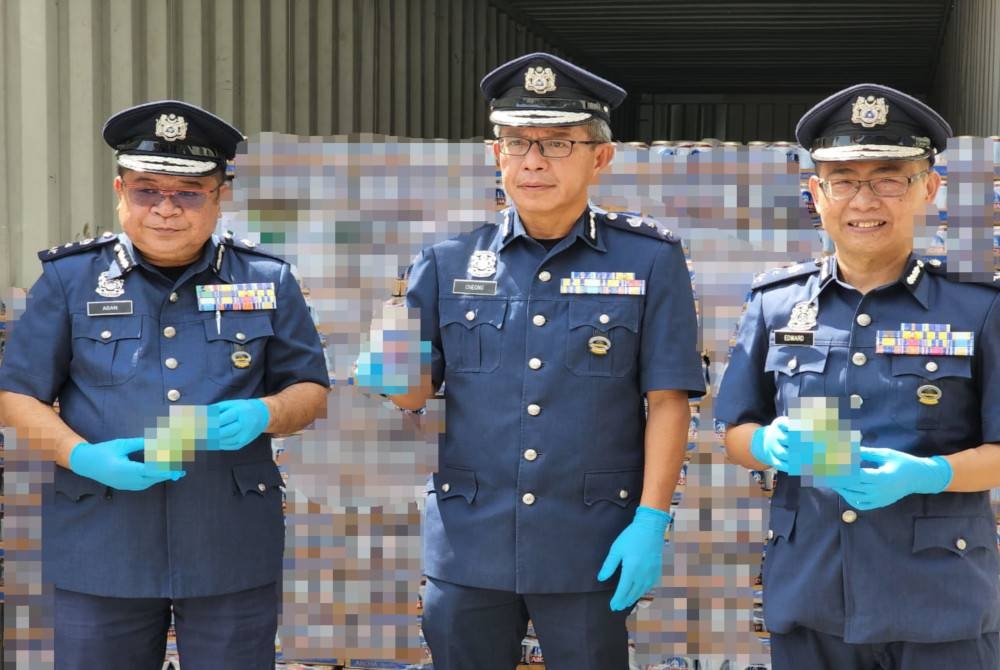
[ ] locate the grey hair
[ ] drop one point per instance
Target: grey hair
(597, 129)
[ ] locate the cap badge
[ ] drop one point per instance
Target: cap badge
(171, 127)
(870, 112)
(540, 79)
(482, 263)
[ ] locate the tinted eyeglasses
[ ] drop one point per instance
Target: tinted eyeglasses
(188, 198)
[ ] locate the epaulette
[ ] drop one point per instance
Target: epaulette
(637, 223)
(71, 248)
(938, 267)
(778, 275)
(247, 245)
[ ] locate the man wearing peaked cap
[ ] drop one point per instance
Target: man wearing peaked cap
(127, 331)
(891, 563)
(549, 332)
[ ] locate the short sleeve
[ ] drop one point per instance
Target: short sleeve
(668, 349)
(989, 347)
(422, 295)
(294, 352)
(746, 393)
(37, 356)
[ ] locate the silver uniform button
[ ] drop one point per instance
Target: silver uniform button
(534, 410)
(770, 534)
(604, 318)
(171, 363)
(261, 486)
(931, 366)
(849, 516)
(961, 544)
(530, 454)
(173, 395)
(856, 401)
(445, 487)
(169, 331)
(105, 334)
(535, 363)
(612, 216)
(544, 275)
(858, 358)
(794, 363)
(241, 336)
(863, 320)
(470, 315)
(173, 297)
(623, 494)
(528, 498)
(538, 320)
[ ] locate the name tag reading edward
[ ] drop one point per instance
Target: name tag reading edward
(109, 308)
(793, 337)
(473, 287)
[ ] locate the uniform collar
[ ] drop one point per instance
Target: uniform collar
(912, 277)
(126, 258)
(588, 228)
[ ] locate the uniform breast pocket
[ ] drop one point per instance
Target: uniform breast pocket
(471, 334)
(933, 392)
(106, 350)
(798, 371)
(236, 350)
(603, 337)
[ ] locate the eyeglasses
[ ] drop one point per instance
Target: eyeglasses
(886, 187)
(552, 148)
(189, 198)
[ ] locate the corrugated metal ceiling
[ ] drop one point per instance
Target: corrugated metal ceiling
(728, 46)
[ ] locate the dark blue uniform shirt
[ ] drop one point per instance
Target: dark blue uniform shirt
(924, 569)
(541, 462)
(217, 530)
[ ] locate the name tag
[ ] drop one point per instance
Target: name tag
(473, 287)
(109, 308)
(793, 337)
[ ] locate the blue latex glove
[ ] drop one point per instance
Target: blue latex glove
(769, 445)
(897, 475)
(240, 423)
(639, 550)
(109, 464)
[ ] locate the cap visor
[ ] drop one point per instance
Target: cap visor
(167, 164)
(861, 152)
(538, 117)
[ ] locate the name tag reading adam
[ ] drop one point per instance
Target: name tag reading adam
(474, 287)
(793, 337)
(109, 308)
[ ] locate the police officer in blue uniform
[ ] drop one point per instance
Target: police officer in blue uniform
(893, 565)
(551, 333)
(114, 332)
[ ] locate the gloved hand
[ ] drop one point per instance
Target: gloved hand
(109, 464)
(897, 474)
(639, 550)
(240, 423)
(769, 445)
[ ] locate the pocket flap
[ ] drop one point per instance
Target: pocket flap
(605, 314)
(472, 313)
(932, 367)
(782, 523)
(620, 487)
(791, 359)
(107, 328)
(454, 482)
(257, 477)
(957, 534)
(75, 487)
(238, 329)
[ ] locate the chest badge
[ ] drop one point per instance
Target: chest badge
(241, 359)
(803, 316)
(482, 263)
(108, 287)
(928, 394)
(599, 345)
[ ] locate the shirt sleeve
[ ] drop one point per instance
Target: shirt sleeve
(989, 346)
(294, 352)
(422, 295)
(668, 343)
(747, 392)
(37, 357)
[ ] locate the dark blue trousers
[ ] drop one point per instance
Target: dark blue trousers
(804, 648)
(234, 631)
(480, 629)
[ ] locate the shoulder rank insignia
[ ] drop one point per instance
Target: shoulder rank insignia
(644, 225)
(71, 248)
(778, 275)
(248, 245)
